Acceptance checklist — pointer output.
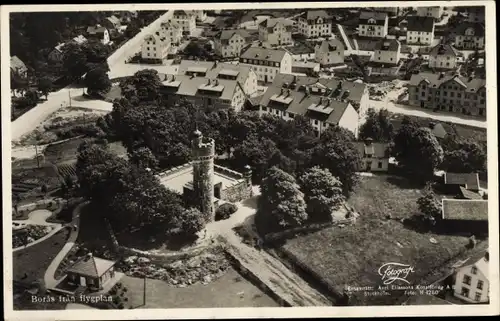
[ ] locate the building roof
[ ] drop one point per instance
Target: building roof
(480, 261)
(183, 13)
(379, 17)
(355, 91)
(192, 65)
(170, 25)
(417, 23)
(438, 130)
(425, 300)
(271, 22)
(313, 15)
(477, 27)
(185, 85)
(16, 63)
(377, 150)
(114, 20)
(241, 72)
(96, 29)
(91, 266)
(443, 50)
(469, 180)
(274, 55)
(156, 38)
(331, 45)
(470, 194)
(305, 64)
(436, 80)
(467, 210)
(226, 35)
(388, 45)
(80, 39)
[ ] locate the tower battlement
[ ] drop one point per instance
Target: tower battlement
(203, 147)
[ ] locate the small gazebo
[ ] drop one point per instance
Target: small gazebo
(91, 272)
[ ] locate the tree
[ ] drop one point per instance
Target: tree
(144, 158)
(337, 153)
(190, 222)
(143, 86)
(417, 151)
(429, 205)
(195, 49)
(377, 126)
(467, 157)
(256, 152)
(281, 203)
(97, 81)
(32, 96)
(323, 193)
(45, 86)
(74, 61)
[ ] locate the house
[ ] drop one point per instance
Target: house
(125, 16)
(475, 14)
(373, 24)
(315, 23)
(172, 32)
(432, 12)
(112, 23)
(420, 30)
(374, 156)
(470, 36)
(329, 52)
(469, 181)
(155, 47)
(454, 93)
(18, 67)
(276, 31)
(443, 56)
(201, 15)
(57, 53)
(387, 51)
(438, 130)
(99, 32)
(267, 63)
(230, 43)
(465, 217)
(91, 272)
(185, 19)
(472, 279)
(305, 67)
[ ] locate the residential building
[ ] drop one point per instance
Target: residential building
(230, 43)
(99, 32)
(276, 31)
(470, 36)
(201, 15)
(315, 23)
(472, 279)
(57, 53)
(91, 272)
(112, 23)
(387, 51)
(329, 52)
(267, 63)
(373, 24)
(433, 12)
(443, 56)
(155, 47)
(18, 67)
(438, 130)
(185, 19)
(374, 156)
(476, 14)
(452, 93)
(420, 30)
(305, 67)
(172, 32)
(469, 181)
(465, 217)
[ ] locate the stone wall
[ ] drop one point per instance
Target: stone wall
(237, 192)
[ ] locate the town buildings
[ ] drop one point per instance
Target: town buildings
(267, 63)
(276, 31)
(91, 272)
(453, 93)
(329, 52)
(315, 23)
(374, 156)
(443, 56)
(373, 24)
(472, 279)
(18, 67)
(112, 23)
(387, 51)
(99, 32)
(470, 36)
(420, 30)
(305, 67)
(230, 43)
(201, 15)
(433, 12)
(391, 11)
(57, 54)
(155, 47)
(172, 32)
(186, 20)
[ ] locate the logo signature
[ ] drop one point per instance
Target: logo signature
(392, 272)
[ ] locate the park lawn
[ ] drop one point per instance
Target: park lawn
(352, 255)
(231, 290)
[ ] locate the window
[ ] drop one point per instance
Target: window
(480, 284)
(465, 292)
(481, 101)
(315, 122)
(459, 95)
(466, 279)
(477, 297)
(474, 271)
(264, 108)
(445, 93)
(379, 164)
(452, 94)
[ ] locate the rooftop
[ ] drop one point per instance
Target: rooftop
(96, 29)
(443, 50)
(379, 17)
(377, 150)
(480, 261)
(274, 55)
(185, 85)
(469, 180)
(91, 266)
(16, 63)
(468, 210)
(225, 35)
(331, 45)
(388, 45)
(436, 80)
(315, 14)
(478, 28)
(416, 23)
(271, 22)
(470, 194)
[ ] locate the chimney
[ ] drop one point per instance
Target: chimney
(216, 82)
(173, 77)
(282, 91)
(339, 86)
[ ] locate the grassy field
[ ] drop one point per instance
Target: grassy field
(231, 290)
(352, 255)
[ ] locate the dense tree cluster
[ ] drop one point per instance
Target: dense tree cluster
(463, 155)
(377, 126)
(429, 205)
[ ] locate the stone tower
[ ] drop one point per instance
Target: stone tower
(203, 152)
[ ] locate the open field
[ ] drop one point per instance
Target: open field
(231, 290)
(352, 255)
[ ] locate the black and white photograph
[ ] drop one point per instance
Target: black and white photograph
(254, 157)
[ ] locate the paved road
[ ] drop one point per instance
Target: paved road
(27, 122)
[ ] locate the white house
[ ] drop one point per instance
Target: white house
(172, 32)
(443, 56)
(472, 279)
(329, 52)
(373, 24)
(315, 23)
(267, 63)
(99, 32)
(470, 36)
(420, 30)
(201, 15)
(387, 51)
(433, 12)
(57, 53)
(374, 156)
(155, 47)
(230, 43)
(18, 67)
(276, 31)
(185, 19)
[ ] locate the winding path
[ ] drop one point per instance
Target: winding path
(38, 217)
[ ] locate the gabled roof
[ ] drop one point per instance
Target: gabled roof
(170, 25)
(242, 72)
(477, 27)
(16, 63)
(185, 85)
(226, 35)
(80, 39)
(183, 13)
(190, 65)
(467, 210)
(416, 23)
(388, 45)
(114, 20)
(331, 45)
(469, 180)
(274, 55)
(96, 29)
(443, 50)
(379, 17)
(470, 194)
(436, 80)
(156, 38)
(438, 130)
(480, 261)
(377, 150)
(91, 266)
(271, 22)
(313, 15)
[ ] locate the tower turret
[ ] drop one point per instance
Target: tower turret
(203, 152)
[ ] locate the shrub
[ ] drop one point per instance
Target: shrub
(224, 211)
(120, 306)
